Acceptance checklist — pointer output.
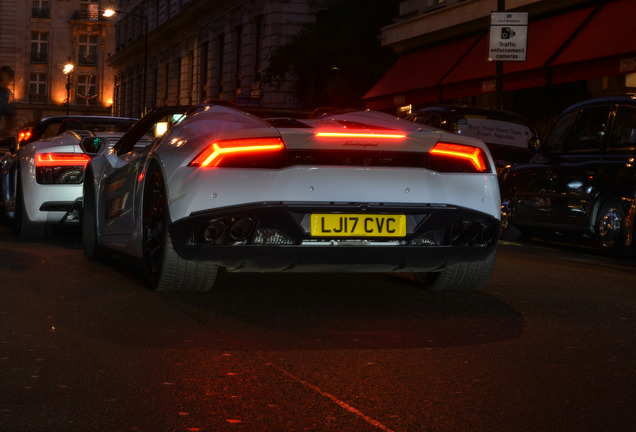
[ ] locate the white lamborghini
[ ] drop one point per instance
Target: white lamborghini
(42, 180)
(354, 192)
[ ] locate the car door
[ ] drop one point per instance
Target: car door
(559, 188)
(119, 190)
(127, 161)
(618, 174)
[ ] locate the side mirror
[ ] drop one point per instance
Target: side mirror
(93, 146)
(534, 144)
(10, 143)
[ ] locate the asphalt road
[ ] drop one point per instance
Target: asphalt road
(547, 345)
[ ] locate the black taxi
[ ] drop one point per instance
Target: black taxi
(582, 180)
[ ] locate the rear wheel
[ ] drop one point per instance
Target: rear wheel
(509, 232)
(611, 229)
(459, 277)
(165, 269)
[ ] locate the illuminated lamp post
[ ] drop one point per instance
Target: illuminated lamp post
(68, 68)
(111, 12)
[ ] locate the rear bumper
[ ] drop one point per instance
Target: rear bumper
(276, 237)
(51, 203)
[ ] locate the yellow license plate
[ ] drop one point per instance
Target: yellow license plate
(358, 225)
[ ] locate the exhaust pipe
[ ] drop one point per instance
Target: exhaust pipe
(469, 231)
(214, 231)
(241, 229)
(487, 233)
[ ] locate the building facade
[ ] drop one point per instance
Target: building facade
(171, 52)
(576, 49)
(38, 38)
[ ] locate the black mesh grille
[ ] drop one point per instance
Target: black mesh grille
(60, 175)
(378, 159)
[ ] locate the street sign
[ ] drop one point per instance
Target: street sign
(508, 36)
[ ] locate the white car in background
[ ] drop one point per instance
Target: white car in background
(42, 181)
(361, 191)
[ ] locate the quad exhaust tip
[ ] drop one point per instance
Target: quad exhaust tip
(472, 231)
(238, 230)
(241, 229)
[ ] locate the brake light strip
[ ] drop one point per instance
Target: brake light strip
(61, 159)
(359, 135)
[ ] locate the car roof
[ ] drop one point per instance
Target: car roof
(623, 99)
(53, 118)
(45, 122)
(459, 111)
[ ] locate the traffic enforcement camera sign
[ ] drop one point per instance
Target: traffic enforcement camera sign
(508, 36)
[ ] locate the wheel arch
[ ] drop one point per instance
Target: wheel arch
(152, 164)
(91, 183)
(627, 204)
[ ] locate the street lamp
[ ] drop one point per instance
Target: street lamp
(68, 68)
(111, 12)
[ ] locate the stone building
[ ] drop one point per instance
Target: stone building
(186, 51)
(38, 38)
(149, 53)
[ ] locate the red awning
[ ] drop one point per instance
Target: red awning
(606, 46)
(415, 76)
(475, 74)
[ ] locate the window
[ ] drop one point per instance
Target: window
(256, 83)
(238, 76)
(90, 9)
(40, 9)
(87, 49)
(166, 86)
(220, 64)
(38, 93)
(435, 120)
(86, 90)
(590, 129)
(558, 137)
(39, 47)
(624, 134)
(203, 71)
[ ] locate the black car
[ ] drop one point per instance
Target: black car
(582, 180)
(506, 134)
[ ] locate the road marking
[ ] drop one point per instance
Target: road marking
(334, 399)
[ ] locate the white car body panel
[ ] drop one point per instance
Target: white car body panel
(214, 189)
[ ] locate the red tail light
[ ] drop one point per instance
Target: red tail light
(61, 159)
(474, 155)
(24, 135)
(378, 134)
(220, 150)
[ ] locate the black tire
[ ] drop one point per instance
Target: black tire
(508, 231)
(611, 229)
(89, 221)
(511, 233)
(165, 269)
(23, 226)
(469, 276)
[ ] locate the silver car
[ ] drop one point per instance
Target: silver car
(42, 180)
